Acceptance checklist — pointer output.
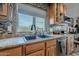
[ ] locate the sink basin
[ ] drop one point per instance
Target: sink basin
(33, 37)
(30, 37)
(44, 36)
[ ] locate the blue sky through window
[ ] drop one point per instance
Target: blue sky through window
(25, 20)
(40, 22)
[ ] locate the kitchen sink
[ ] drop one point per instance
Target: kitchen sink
(30, 37)
(33, 37)
(44, 36)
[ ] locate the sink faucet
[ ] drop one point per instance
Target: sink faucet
(33, 28)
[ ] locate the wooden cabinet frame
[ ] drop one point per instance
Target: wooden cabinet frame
(45, 48)
(56, 13)
(4, 11)
(15, 51)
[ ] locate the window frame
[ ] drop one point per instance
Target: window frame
(34, 19)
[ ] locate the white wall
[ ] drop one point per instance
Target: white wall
(72, 9)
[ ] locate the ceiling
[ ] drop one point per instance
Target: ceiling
(43, 6)
(72, 9)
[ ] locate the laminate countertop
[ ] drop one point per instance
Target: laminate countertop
(18, 41)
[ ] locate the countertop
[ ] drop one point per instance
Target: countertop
(13, 42)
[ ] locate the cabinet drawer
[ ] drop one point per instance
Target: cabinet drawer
(50, 43)
(34, 47)
(38, 53)
(12, 52)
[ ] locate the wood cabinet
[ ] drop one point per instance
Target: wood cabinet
(34, 48)
(52, 13)
(56, 13)
(4, 7)
(60, 13)
(51, 48)
(50, 43)
(38, 53)
(51, 51)
(45, 48)
(61, 8)
(70, 43)
(17, 51)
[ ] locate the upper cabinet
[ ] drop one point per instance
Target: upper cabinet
(3, 9)
(61, 8)
(56, 13)
(52, 13)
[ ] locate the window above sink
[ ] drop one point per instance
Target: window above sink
(28, 16)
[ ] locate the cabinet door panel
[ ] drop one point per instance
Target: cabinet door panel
(56, 13)
(70, 44)
(38, 53)
(12, 52)
(3, 9)
(34, 47)
(51, 43)
(52, 13)
(51, 51)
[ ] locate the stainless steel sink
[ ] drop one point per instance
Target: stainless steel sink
(44, 36)
(32, 37)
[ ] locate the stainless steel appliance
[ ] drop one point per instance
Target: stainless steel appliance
(62, 42)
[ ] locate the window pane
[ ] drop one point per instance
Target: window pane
(40, 24)
(24, 22)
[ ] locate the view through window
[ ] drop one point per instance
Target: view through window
(25, 22)
(30, 18)
(40, 24)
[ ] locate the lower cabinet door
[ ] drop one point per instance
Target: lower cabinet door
(17, 51)
(38, 53)
(51, 51)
